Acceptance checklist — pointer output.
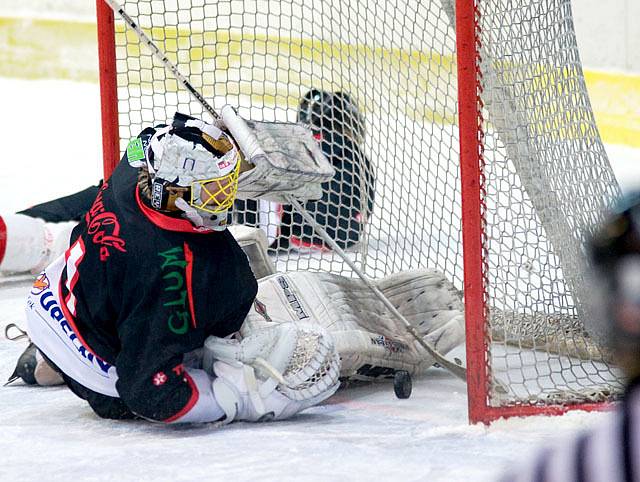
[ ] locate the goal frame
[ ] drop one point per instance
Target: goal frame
(473, 233)
(108, 87)
(472, 187)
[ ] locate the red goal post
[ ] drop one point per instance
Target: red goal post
(478, 86)
(488, 162)
(108, 87)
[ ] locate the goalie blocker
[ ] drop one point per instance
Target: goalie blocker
(286, 159)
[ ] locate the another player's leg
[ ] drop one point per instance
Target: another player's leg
(28, 244)
(32, 238)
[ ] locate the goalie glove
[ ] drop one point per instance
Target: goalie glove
(287, 159)
(274, 373)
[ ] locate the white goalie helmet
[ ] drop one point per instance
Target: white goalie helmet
(193, 167)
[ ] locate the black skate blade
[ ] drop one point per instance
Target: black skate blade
(26, 366)
(14, 376)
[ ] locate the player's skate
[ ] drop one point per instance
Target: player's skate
(31, 367)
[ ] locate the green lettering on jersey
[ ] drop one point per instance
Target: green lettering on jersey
(183, 318)
(173, 257)
(174, 291)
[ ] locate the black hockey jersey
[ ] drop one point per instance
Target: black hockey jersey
(346, 200)
(147, 288)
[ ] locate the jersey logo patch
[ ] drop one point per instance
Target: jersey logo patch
(135, 152)
(40, 284)
(159, 379)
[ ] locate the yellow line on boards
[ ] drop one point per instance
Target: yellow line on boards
(67, 49)
(43, 48)
(615, 99)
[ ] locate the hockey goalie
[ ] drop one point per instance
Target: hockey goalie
(152, 312)
(306, 329)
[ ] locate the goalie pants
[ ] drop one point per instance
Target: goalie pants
(62, 347)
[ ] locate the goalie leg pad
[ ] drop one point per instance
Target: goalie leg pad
(371, 341)
(275, 372)
(254, 243)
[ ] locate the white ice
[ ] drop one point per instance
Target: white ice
(50, 146)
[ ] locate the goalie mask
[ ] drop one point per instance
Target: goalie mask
(615, 255)
(193, 167)
(333, 112)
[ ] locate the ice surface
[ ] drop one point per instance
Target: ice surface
(51, 146)
(363, 433)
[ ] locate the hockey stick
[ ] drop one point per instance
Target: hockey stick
(452, 367)
(284, 157)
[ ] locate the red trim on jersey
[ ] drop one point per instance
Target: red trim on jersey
(195, 395)
(83, 250)
(69, 317)
(76, 275)
(188, 256)
(298, 243)
(167, 222)
(3, 238)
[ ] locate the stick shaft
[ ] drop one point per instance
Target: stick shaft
(452, 367)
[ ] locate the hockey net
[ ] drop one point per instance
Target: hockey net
(535, 176)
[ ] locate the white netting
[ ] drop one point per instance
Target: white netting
(547, 182)
(546, 173)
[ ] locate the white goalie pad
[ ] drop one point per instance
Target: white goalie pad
(371, 342)
(287, 159)
(299, 358)
(254, 243)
